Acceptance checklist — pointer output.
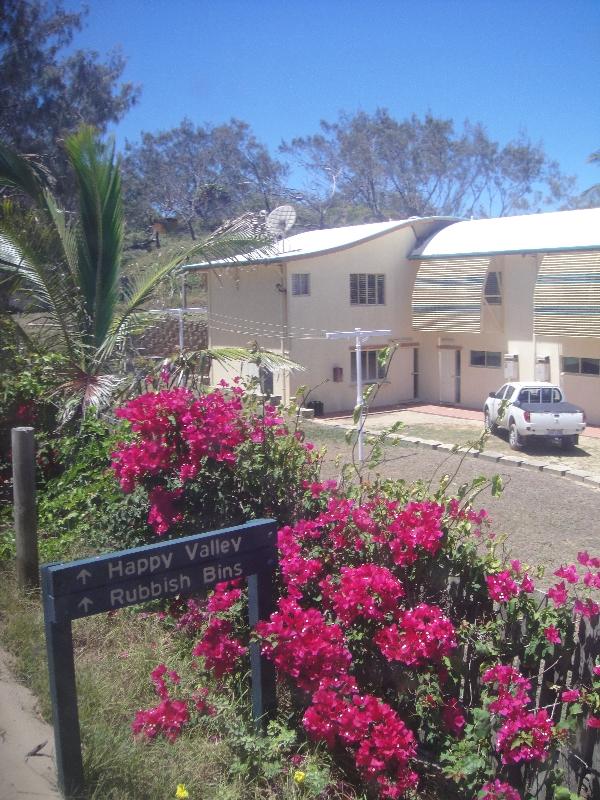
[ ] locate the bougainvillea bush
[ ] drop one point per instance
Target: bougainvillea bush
(212, 459)
(411, 644)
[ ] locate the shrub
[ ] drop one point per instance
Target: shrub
(203, 461)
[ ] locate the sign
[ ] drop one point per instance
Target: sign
(190, 565)
(186, 566)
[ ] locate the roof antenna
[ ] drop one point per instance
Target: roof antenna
(279, 222)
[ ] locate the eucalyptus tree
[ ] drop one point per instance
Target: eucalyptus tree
(69, 265)
(48, 87)
(382, 167)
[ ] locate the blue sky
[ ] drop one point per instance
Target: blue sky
(281, 66)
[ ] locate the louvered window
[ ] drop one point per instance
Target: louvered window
(300, 283)
(367, 289)
(492, 290)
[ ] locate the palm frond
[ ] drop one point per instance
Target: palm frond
(100, 240)
(22, 173)
(263, 358)
(216, 248)
(24, 251)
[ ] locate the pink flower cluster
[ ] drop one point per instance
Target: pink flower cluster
(503, 586)
(416, 527)
(303, 645)
(369, 592)
(353, 560)
(498, 790)
(559, 593)
(220, 650)
(178, 435)
(523, 735)
(422, 634)
(169, 716)
(381, 742)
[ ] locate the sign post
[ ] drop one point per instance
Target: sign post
(186, 566)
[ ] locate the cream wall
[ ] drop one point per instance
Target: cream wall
(507, 328)
(328, 308)
(246, 307)
(582, 390)
(247, 304)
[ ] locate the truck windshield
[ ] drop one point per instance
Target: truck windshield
(539, 394)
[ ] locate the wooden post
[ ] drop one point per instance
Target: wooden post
(63, 694)
(25, 512)
(263, 692)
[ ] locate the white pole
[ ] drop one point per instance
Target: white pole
(359, 394)
(359, 337)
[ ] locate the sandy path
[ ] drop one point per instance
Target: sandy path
(23, 777)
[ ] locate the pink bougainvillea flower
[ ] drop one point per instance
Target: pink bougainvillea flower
(368, 592)
(570, 695)
(501, 586)
(587, 608)
(552, 634)
(453, 716)
(527, 585)
(593, 722)
(422, 634)
(585, 560)
(568, 572)
(525, 737)
(558, 594)
(498, 790)
(220, 650)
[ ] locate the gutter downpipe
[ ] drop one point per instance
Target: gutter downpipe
(285, 339)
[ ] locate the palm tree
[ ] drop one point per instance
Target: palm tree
(69, 264)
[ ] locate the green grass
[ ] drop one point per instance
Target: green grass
(219, 758)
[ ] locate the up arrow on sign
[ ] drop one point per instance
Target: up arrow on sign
(86, 603)
(83, 575)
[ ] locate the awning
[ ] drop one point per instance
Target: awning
(567, 295)
(448, 293)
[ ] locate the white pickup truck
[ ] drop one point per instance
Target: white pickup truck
(533, 409)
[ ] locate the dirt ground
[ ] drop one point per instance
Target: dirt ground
(26, 743)
(451, 430)
(547, 519)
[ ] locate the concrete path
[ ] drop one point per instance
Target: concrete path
(26, 743)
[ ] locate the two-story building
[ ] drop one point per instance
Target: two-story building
(468, 304)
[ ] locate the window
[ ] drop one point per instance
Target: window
(485, 358)
(581, 366)
(492, 289)
(367, 289)
(540, 394)
(371, 369)
(300, 283)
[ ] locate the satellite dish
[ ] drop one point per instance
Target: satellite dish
(280, 220)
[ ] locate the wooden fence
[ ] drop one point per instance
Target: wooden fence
(580, 757)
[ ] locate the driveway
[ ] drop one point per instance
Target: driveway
(546, 518)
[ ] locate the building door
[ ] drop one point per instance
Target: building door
(449, 375)
(415, 373)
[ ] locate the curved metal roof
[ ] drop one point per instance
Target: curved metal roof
(527, 233)
(328, 240)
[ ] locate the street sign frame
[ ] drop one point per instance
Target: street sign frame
(191, 565)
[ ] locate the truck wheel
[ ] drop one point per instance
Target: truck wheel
(569, 442)
(487, 422)
(514, 440)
